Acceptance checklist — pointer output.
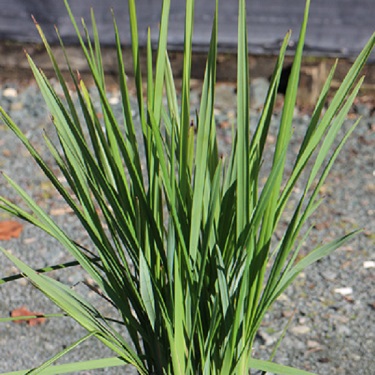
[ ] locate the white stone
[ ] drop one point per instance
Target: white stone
(369, 264)
(344, 291)
(114, 100)
(10, 92)
(300, 330)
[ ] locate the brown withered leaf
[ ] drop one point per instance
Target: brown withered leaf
(10, 229)
(23, 311)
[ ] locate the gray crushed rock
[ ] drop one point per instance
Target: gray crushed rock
(331, 305)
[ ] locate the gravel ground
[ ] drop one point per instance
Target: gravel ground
(331, 306)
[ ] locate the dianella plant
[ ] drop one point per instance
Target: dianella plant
(183, 241)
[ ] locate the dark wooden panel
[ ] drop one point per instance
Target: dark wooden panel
(337, 27)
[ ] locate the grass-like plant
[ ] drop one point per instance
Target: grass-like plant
(183, 246)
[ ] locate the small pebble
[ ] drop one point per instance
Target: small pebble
(268, 339)
(355, 357)
(114, 100)
(369, 264)
(10, 92)
(49, 347)
(344, 291)
(311, 344)
(300, 330)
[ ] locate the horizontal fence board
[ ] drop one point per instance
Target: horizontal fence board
(336, 27)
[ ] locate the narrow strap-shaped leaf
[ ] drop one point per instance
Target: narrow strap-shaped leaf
(76, 366)
(205, 247)
(258, 141)
(332, 132)
(309, 143)
(243, 125)
(291, 91)
(171, 94)
(185, 101)
(312, 257)
(298, 220)
(146, 288)
(97, 48)
(279, 158)
(276, 368)
(206, 115)
(136, 62)
(180, 341)
(46, 223)
(126, 105)
(80, 310)
(169, 190)
(58, 71)
(47, 364)
(317, 111)
(55, 267)
(160, 60)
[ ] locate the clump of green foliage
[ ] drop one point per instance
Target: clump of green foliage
(181, 244)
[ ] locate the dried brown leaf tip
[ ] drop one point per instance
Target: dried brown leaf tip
(34, 20)
(10, 229)
(23, 311)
